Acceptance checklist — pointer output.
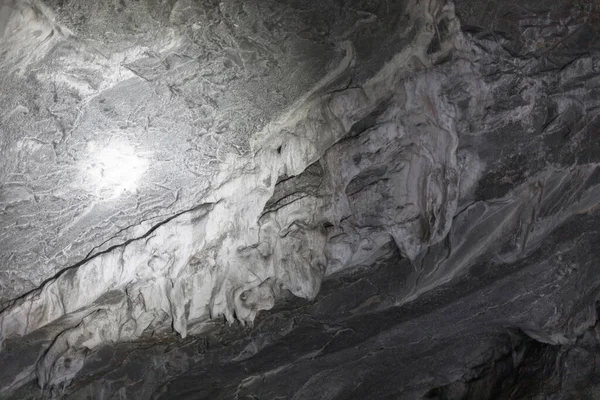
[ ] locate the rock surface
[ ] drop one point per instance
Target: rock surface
(299, 200)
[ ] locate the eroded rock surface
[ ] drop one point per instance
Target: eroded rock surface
(290, 199)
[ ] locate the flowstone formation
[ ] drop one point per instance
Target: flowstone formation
(304, 200)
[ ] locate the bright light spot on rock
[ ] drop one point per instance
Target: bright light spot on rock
(115, 169)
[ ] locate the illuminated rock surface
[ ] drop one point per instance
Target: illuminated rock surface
(299, 200)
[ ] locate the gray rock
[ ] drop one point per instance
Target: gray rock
(299, 200)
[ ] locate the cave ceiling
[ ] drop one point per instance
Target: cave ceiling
(288, 199)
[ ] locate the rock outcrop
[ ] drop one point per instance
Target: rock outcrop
(287, 199)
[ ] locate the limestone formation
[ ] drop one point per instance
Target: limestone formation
(299, 200)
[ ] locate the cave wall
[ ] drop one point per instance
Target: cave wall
(422, 173)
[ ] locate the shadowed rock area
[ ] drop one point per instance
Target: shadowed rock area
(281, 199)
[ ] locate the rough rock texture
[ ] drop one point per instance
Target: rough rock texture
(299, 200)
